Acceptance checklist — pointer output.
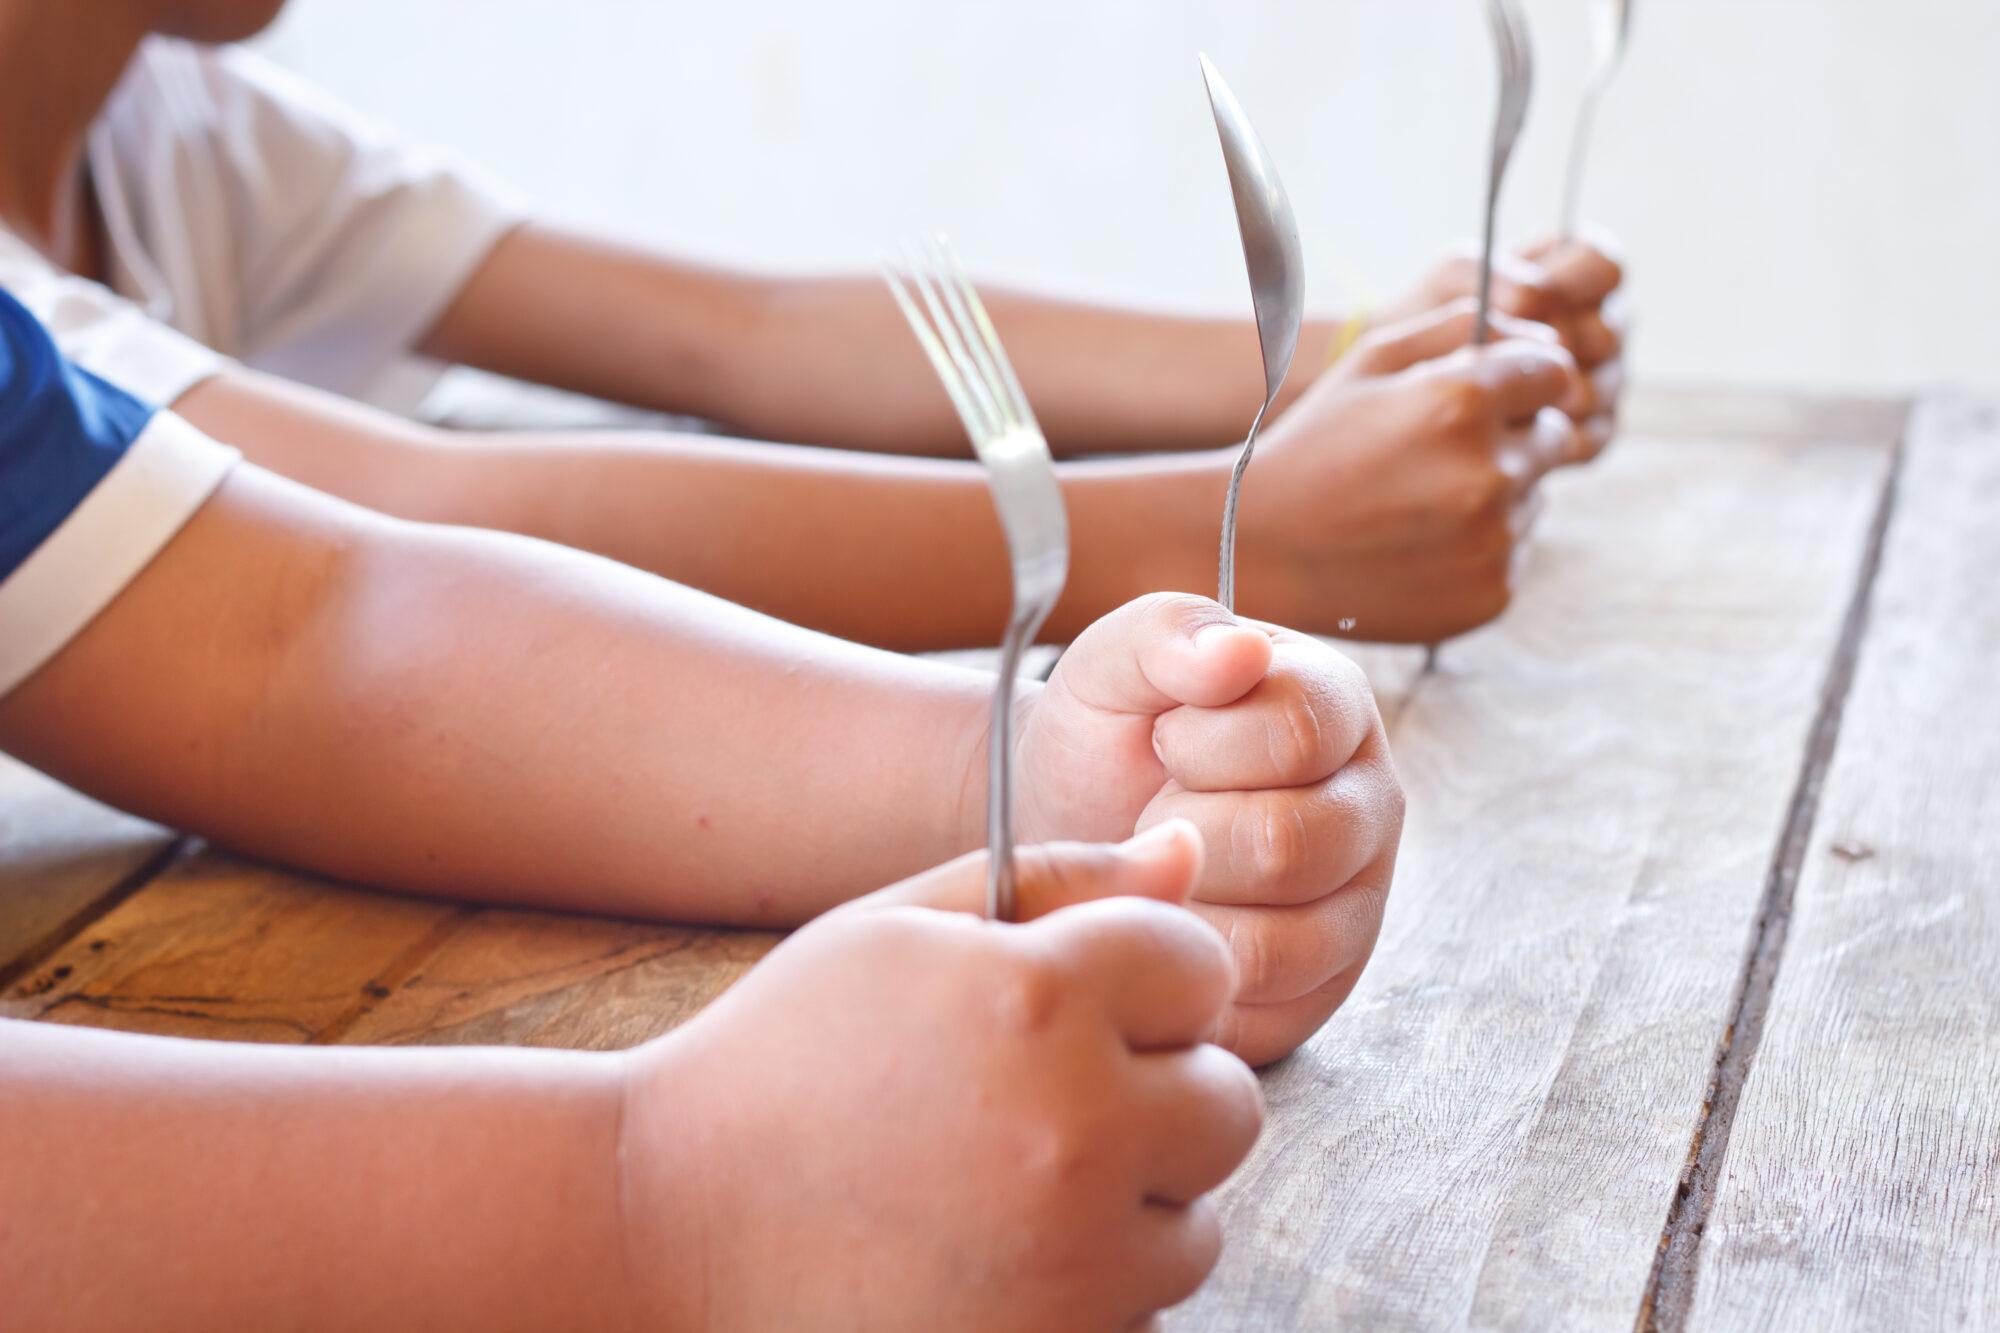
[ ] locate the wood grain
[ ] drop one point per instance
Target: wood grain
(1861, 1186)
(63, 859)
(536, 979)
(1491, 1131)
(221, 948)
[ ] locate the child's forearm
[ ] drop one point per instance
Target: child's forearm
(471, 713)
(160, 1185)
(899, 552)
(829, 360)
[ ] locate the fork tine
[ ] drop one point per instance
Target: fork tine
(954, 384)
(930, 286)
(1008, 384)
(960, 298)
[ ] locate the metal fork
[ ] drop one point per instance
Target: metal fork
(1517, 83)
(1612, 20)
(951, 323)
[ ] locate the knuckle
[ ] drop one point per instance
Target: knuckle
(1209, 966)
(1181, 608)
(1058, 1150)
(1395, 803)
(1249, 949)
(1493, 540)
(1530, 299)
(1490, 599)
(1238, 1094)
(1028, 995)
(1201, 1249)
(1228, 1030)
(1480, 497)
(1611, 269)
(1459, 404)
(1276, 841)
(1296, 738)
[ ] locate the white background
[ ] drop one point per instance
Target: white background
(1808, 191)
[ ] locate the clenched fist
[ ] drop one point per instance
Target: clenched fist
(1269, 742)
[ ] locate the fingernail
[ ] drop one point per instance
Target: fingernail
(1155, 840)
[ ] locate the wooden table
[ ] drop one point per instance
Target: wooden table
(1687, 1008)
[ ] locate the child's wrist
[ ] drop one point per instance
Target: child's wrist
(654, 1217)
(975, 750)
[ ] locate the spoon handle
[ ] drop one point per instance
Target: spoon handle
(1226, 584)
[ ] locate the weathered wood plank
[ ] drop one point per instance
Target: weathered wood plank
(537, 979)
(1861, 1184)
(1491, 1130)
(217, 947)
(63, 857)
(1739, 413)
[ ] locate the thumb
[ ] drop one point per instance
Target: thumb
(1159, 652)
(1162, 863)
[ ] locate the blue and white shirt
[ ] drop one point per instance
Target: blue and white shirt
(93, 483)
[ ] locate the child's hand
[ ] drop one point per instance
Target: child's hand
(1575, 287)
(1390, 501)
(911, 1118)
(1271, 744)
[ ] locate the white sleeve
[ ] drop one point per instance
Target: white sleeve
(103, 332)
(166, 474)
(286, 230)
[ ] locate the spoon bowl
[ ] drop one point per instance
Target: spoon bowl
(1277, 279)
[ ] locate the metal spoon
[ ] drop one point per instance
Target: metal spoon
(1277, 279)
(1517, 83)
(1612, 22)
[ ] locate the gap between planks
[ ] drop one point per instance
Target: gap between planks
(176, 849)
(1670, 1288)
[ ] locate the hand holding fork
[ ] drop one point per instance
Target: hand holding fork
(958, 337)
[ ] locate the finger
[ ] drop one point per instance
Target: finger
(1298, 725)
(1202, 1110)
(1162, 651)
(1521, 286)
(1162, 863)
(1292, 845)
(1528, 453)
(1528, 290)
(1578, 272)
(1173, 1250)
(1435, 333)
(1522, 377)
(1161, 976)
(1283, 953)
(1258, 1034)
(1590, 338)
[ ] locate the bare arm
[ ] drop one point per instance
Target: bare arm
(829, 360)
(168, 1185)
(900, 552)
(468, 713)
